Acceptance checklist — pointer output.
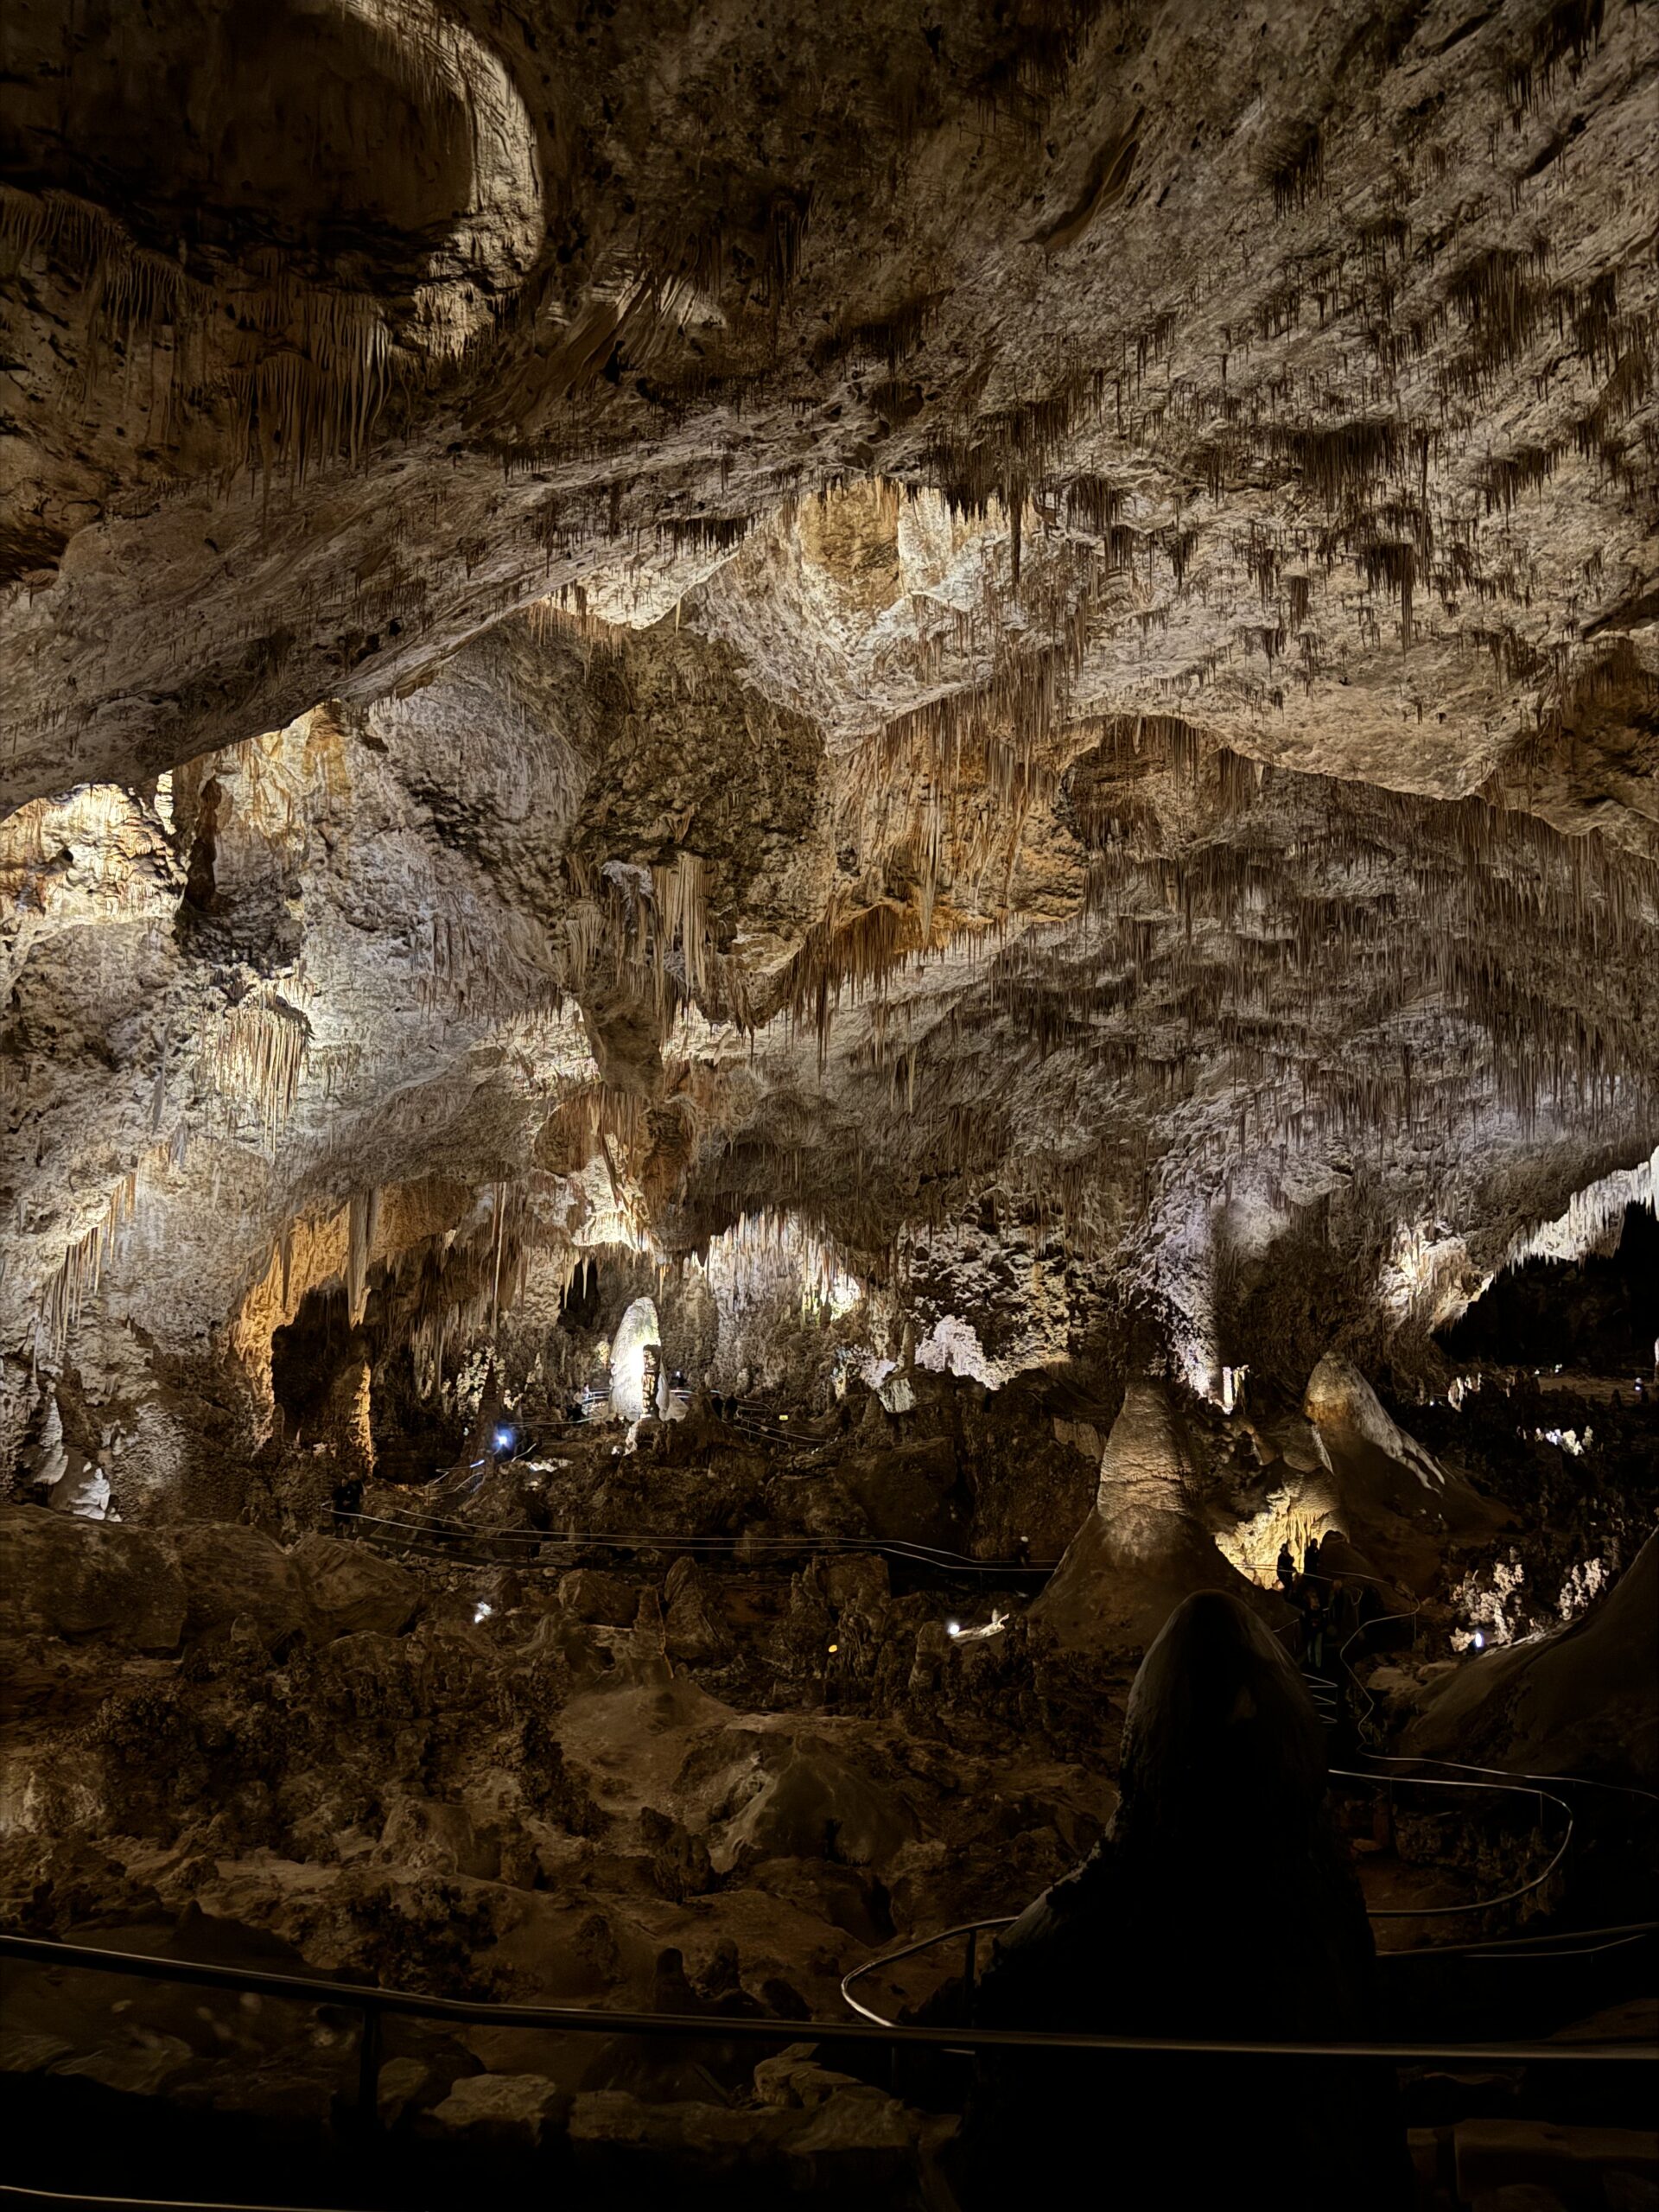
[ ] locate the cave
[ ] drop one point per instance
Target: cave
(828, 1104)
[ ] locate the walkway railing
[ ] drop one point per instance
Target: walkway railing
(376, 2005)
(755, 1422)
(1516, 1946)
(1510, 1788)
(432, 1536)
(1565, 1943)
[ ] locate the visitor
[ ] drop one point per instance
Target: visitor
(1313, 1620)
(1367, 1613)
(1287, 1567)
(1297, 1593)
(1311, 1558)
(1341, 1618)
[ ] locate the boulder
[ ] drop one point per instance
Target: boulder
(403, 2083)
(620, 2139)
(139, 2066)
(423, 1836)
(493, 2111)
(233, 1574)
(905, 1491)
(795, 2079)
(65, 1576)
(853, 2137)
(23, 2051)
(774, 2077)
(294, 2089)
(351, 1589)
(840, 1896)
(857, 2138)
(1498, 2154)
(813, 1804)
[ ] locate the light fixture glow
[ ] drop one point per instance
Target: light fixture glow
(504, 1440)
(1480, 1641)
(953, 1628)
(481, 1612)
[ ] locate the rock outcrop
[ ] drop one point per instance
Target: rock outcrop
(1080, 745)
(1219, 1904)
(796, 805)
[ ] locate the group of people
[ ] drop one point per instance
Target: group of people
(1331, 1611)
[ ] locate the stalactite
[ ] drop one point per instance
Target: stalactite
(362, 1231)
(260, 1054)
(82, 1270)
(307, 367)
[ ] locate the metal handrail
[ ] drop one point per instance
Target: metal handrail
(12, 2192)
(974, 1928)
(415, 1527)
(1512, 1774)
(1480, 1904)
(18, 2192)
(1540, 1946)
(1363, 1720)
(1520, 1950)
(375, 2002)
(969, 1928)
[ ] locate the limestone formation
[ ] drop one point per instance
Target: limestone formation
(1143, 1550)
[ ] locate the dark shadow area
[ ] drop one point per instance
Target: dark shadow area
(1599, 1314)
(308, 1357)
(296, 128)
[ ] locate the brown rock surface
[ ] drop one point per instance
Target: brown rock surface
(86, 1579)
(1035, 648)
(353, 1590)
(939, 723)
(235, 1574)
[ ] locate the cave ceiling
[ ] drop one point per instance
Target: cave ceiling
(1023, 638)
